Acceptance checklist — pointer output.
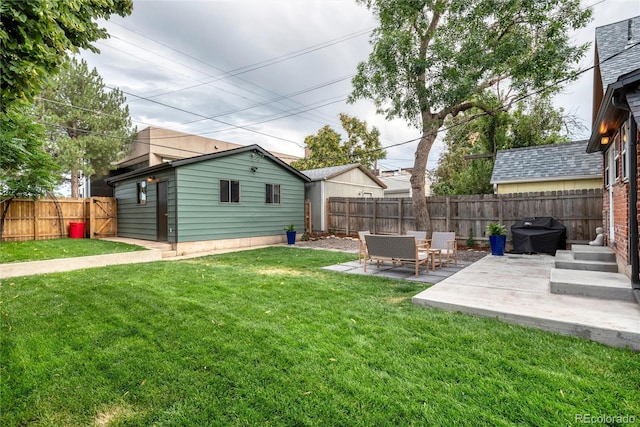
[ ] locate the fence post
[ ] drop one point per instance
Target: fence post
(35, 219)
(348, 220)
(327, 214)
(307, 216)
(375, 209)
(400, 215)
(500, 208)
(92, 218)
(448, 214)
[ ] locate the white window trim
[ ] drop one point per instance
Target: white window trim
(624, 152)
(273, 186)
(230, 202)
(616, 158)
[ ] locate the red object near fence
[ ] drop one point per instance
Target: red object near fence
(76, 230)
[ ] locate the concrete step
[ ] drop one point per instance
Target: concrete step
(593, 253)
(592, 284)
(159, 246)
(169, 254)
(564, 259)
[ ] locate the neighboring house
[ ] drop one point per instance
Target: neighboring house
(553, 167)
(614, 133)
(352, 180)
(399, 185)
(240, 197)
(153, 146)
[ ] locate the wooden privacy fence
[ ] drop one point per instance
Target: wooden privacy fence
(579, 210)
(41, 219)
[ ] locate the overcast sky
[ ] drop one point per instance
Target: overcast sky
(270, 72)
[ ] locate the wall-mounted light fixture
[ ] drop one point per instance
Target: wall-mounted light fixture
(605, 139)
(151, 179)
(254, 169)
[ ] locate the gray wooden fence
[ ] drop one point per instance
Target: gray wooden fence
(580, 211)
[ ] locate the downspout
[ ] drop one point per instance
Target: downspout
(633, 210)
(633, 199)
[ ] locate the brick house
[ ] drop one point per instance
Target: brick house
(616, 114)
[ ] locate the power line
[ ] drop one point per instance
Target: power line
(252, 67)
(236, 72)
(207, 117)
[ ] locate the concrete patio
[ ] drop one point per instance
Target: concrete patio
(400, 273)
(516, 289)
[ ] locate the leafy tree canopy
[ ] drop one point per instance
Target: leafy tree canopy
(92, 124)
(328, 149)
(36, 35)
(534, 122)
(26, 170)
(432, 59)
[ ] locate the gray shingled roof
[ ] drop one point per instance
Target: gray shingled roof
(333, 171)
(612, 39)
(567, 160)
(326, 173)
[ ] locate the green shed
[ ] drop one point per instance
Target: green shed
(234, 198)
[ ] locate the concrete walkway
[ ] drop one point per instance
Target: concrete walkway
(515, 289)
(155, 252)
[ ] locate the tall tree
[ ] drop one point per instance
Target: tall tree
(93, 124)
(432, 59)
(36, 35)
(473, 132)
(26, 170)
(328, 149)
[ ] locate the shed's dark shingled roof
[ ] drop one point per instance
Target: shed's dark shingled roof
(612, 39)
(545, 163)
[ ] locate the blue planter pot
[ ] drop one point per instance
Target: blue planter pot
(497, 244)
(291, 237)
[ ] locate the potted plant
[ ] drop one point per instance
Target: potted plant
(497, 238)
(291, 234)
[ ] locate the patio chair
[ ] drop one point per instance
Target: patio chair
(445, 241)
(421, 236)
(362, 246)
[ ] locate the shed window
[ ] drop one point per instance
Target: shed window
(229, 191)
(141, 188)
(272, 192)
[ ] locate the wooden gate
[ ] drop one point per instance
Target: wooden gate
(103, 217)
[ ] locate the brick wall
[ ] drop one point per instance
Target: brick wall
(620, 242)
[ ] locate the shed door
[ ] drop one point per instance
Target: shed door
(163, 223)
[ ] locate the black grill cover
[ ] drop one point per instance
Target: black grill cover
(538, 235)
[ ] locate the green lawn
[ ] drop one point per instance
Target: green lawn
(264, 337)
(35, 250)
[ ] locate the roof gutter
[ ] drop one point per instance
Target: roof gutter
(598, 130)
(549, 179)
(138, 172)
